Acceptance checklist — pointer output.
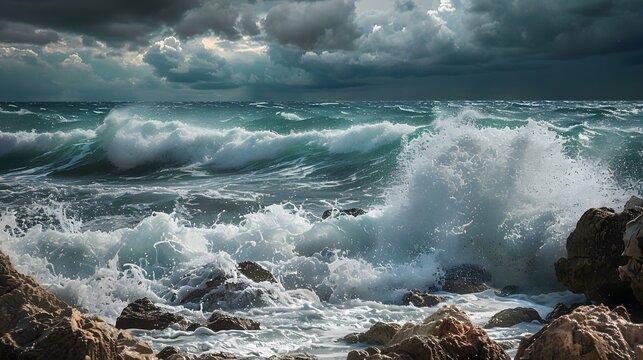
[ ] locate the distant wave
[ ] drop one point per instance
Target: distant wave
(16, 112)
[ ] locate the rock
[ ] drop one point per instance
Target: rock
(508, 290)
(421, 299)
(143, 314)
(219, 321)
(255, 272)
(466, 279)
(589, 332)
(447, 334)
(210, 285)
(427, 327)
(379, 334)
(173, 353)
(511, 317)
(333, 213)
(632, 271)
(295, 356)
(634, 203)
(594, 251)
(34, 324)
(561, 309)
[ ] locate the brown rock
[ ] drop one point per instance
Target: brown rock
(561, 309)
(210, 285)
(421, 299)
(466, 279)
(588, 333)
(511, 317)
(632, 271)
(594, 254)
(34, 324)
(219, 321)
(173, 353)
(143, 314)
(447, 334)
(255, 272)
(295, 356)
(379, 334)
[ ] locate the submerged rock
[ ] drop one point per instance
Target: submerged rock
(632, 271)
(594, 251)
(34, 324)
(255, 272)
(466, 279)
(332, 213)
(143, 314)
(421, 299)
(511, 317)
(219, 321)
(589, 332)
(447, 334)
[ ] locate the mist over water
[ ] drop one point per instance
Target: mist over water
(108, 203)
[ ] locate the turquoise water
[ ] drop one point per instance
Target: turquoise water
(108, 202)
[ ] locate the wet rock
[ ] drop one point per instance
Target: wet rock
(173, 353)
(421, 299)
(295, 356)
(447, 334)
(336, 212)
(511, 317)
(466, 279)
(219, 321)
(34, 324)
(379, 334)
(589, 332)
(561, 309)
(196, 295)
(143, 314)
(594, 251)
(508, 290)
(632, 271)
(255, 272)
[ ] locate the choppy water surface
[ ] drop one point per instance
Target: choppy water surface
(110, 202)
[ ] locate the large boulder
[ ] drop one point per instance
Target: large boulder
(143, 314)
(34, 324)
(466, 279)
(588, 333)
(447, 334)
(255, 272)
(632, 271)
(511, 317)
(173, 353)
(219, 321)
(594, 251)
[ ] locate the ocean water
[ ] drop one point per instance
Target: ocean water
(109, 202)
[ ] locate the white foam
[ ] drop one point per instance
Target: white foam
(290, 116)
(23, 141)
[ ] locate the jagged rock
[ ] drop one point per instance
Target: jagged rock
(173, 353)
(447, 334)
(561, 309)
(379, 334)
(508, 290)
(594, 251)
(511, 317)
(421, 299)
(196, 295)
(632, 271)
(255, 272)
(634, 203)
(466, 279)
(336, 212)
(219, 321)
(143, 314)
(588, 333)
(427, 327)
(34, 324)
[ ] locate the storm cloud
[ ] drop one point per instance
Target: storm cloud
(284, 48)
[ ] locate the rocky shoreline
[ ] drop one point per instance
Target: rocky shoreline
(604, 261)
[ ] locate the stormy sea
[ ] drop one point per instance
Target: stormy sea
(106, 203)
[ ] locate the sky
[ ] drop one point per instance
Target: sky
(220, 50)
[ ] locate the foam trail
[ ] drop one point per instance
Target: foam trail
(23, 141)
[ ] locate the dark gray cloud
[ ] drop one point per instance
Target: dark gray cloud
(324, 24)
(108, 20)
(215, 15)
(18, 33)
